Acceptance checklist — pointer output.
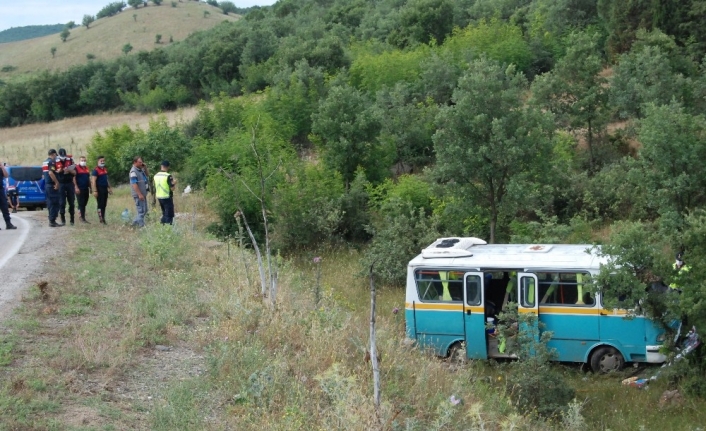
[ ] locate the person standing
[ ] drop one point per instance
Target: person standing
(164, 190)
(67, 185)
(83, 187)
(101, 187)
(3, 199)
(51, 187)
(138, 183)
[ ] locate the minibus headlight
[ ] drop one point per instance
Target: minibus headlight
(661, 338)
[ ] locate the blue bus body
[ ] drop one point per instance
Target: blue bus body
(453, 290)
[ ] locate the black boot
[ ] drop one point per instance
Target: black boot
(10, 226)
(71, 218)
(53, 223)
(63, 219)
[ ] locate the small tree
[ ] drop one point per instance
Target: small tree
(227, 7)
(206, 14)
(65, 33)
(174, 4)
(158, 38)
(171, 38)
(53, 51)
(88, 20)
(157, 2)
(70, 25)
(90, 56)
(134, 17)
(134, 3)
(127, 48)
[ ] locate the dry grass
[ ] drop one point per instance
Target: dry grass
(106, 37)
(29, 144)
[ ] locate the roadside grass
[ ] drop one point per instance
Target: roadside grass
(76, 352)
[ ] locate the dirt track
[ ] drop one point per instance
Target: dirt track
(21, 270)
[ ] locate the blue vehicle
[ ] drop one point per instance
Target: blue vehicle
(457, 286)
(27, 180)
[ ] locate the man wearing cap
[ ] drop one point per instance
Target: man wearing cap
(164, 184)
(51, 187)
(3, 199)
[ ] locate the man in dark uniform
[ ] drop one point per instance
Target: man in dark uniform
(83, 187)
(66, 171)
(3, 199)
(51, 187)
(101, 187)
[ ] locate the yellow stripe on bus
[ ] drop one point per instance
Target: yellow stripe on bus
(542, 310)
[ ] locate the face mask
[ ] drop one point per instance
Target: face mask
(101, 165)
(82, 163)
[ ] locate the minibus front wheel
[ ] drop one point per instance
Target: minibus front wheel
(606, 359)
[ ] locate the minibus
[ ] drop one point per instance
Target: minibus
(456, 287)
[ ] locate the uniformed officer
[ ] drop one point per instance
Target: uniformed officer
(66, 173)
(83, 187)
(3, 199)
(51, 187)
(164, 186)
(101, 187)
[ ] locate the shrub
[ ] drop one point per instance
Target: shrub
(110, 144)
(534, 385)
(111, 9)
(307, 208)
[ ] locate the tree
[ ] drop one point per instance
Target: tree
(88, 20)
(157, 2)
(575, 91)
(422, 21)
(65, 33)
(127, 48)
(53, 51)
(134, 3)
(346, 130)
(158, 38)
(227, 7)
(672, 147)
(70, 25)
(489, 142)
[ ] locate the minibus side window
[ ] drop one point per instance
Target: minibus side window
(564, 288)
(472, 290)
(439, 285)
(527, 292)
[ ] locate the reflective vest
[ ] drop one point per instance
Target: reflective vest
(161, 183)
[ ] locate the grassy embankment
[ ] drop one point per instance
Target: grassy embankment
(86, 351)
(106, 37)
(28, 145)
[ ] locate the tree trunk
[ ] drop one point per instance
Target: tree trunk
(373, 348)
(589, 142)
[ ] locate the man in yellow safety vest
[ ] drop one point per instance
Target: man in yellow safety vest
(164, 184)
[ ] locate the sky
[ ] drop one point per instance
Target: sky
(19, 13)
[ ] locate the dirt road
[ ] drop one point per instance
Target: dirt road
(24, 253)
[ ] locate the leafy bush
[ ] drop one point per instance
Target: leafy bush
(534, 385)
(397, 237)
(307, 208)
(110, 145)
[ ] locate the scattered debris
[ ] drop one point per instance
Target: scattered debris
(670, 398)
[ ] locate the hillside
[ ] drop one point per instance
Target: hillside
(15, 34)
(106, 37)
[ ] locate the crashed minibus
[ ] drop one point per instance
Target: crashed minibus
(456, 286)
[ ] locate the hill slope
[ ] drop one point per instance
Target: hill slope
(106, 37)
(15, 34)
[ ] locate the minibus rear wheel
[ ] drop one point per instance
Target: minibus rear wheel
(606, 360)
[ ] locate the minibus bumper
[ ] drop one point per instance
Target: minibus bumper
(654, 356)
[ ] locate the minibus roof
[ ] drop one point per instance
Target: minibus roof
(472, 253)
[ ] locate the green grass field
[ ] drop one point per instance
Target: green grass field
(163, 329)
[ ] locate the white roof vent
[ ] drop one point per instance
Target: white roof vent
(451, 247)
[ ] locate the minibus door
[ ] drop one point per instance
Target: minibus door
(528, 302)
(474, 315)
